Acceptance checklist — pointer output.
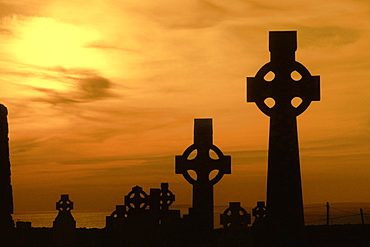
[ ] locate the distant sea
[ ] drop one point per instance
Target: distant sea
(315, 214)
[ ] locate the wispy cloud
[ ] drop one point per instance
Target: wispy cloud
(329, 36)
(83, 86)
(107, 46)
(4, 31)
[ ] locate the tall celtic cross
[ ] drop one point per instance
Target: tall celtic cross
(203, 164)
(283, 89)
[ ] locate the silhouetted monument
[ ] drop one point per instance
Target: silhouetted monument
(147, 220)
(143, 219)
(259, 213)
(138, 225)
(64, 225)
(235, 221)
(291, 82)
(6, 196)
(260, 228)
(166, 197)
(201, 213)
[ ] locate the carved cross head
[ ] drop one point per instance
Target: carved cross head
(283, 86)
(137, 199)
(260, 210)
(64, 204)
(202, 164)
(235, 216)
(166, 197)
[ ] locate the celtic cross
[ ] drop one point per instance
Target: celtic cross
(203, 165)
(64, 204)
(290, 88)
(235, 216)
(64, 219)
(136, 200)
(166, 197)
(260, 210)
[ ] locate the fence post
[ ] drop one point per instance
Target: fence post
(362, 216)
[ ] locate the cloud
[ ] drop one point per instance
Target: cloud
(321, 36)
(191, 14)
(105, 46)
(23, 145)
(85, 86)
(5, 31)
(22, 7)
(95, 88)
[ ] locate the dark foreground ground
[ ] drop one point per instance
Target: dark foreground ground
(315, 236)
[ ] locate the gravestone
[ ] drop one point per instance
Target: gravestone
(139, 220)
(201, 213)
(148, 216)
(259, 213)
(6, 194)
(235, 216)
(64, 225)
(235, 221)
(290, 88)
(117, 218)
(259, 228)
(167, 198)
(137, 200)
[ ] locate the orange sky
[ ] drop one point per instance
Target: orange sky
(102, 96)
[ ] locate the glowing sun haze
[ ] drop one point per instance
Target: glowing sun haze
(102, 96)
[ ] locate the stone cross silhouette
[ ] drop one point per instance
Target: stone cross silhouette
(235, 216)
(166, 197)
(290, 88)
(64, 204)
(202, 211)
(64, 225)
(260, 210)
(136, 200)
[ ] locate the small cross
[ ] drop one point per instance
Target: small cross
(64, 204)
(235, 216)
(166, 197)
(260, 210)
(137, 199)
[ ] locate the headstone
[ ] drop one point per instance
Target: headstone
(235, 216)
(117, 228)
(166, 197)
(23, 225)
(117, 218)
(259, 213)
(260, 228)
(290, 88)
(138, 220)
(201, 215)
(235, 221)
(137, 200)
(168, 216)
(64, 225)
